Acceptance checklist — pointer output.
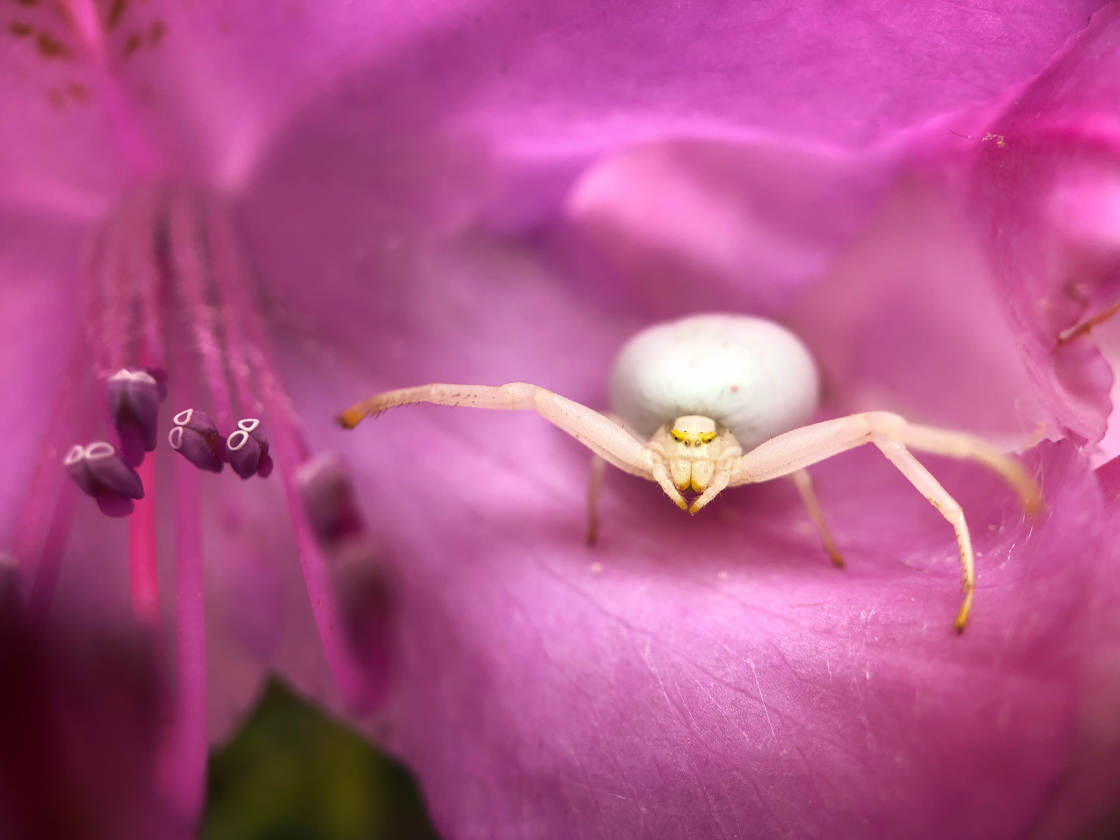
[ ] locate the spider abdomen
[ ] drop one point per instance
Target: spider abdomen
(748, 374)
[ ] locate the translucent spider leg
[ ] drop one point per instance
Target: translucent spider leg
(595, 484)
(787, 453)
(594, 487)
(948, 507)
(813, 505)
(599, 433)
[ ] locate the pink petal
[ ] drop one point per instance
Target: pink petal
(1046, 181)
(352, 163)
(698, 676)
(752, 225)
(907, 318)
(103, 93)
(816, 70)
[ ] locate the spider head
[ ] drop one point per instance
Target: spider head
(691, 446)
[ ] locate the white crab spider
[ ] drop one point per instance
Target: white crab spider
(722, 400)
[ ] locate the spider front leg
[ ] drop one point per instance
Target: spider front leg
(721, 478)
(594, 486)
(595, 482)
(816, 514)
(600, 434)
(787, 453)
(659, 473)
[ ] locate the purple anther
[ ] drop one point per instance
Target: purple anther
(103, 474)
(329, 498)
(367, 602)
(247, 449)
(194, 436)
(134, 396)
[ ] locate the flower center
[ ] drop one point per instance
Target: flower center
(168, 307)
(170, 318)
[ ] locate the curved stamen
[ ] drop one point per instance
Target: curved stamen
(183, 755)
(246, 332)
(44, 518)
(357, 573)
(142, 564)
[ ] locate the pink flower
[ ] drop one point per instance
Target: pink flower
(289, 208)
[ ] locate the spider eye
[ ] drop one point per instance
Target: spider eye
(707, 437)
(679, 436)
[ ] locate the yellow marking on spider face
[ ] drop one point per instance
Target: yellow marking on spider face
(692, 438)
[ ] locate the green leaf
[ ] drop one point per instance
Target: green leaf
(293, 773)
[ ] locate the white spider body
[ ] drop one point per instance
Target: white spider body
(750, 375)
(715, 401)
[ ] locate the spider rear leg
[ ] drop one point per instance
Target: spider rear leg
(948, 507)
(792, 451)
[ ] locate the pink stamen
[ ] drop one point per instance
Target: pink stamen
(142, 566)
(40, 516)
(183, 754)
(347, 672)
(124, 318)
(190, 272)
(245, 329)
(142, 264)
(223, 259)
(50, 559)
(290, 450)
(109, 305)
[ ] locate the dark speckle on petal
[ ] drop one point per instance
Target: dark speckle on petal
(132, 44)
(78, 92)
(116, 12)
(50, 47)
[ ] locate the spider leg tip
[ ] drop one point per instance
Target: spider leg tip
(349, 418)
(961, 620)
